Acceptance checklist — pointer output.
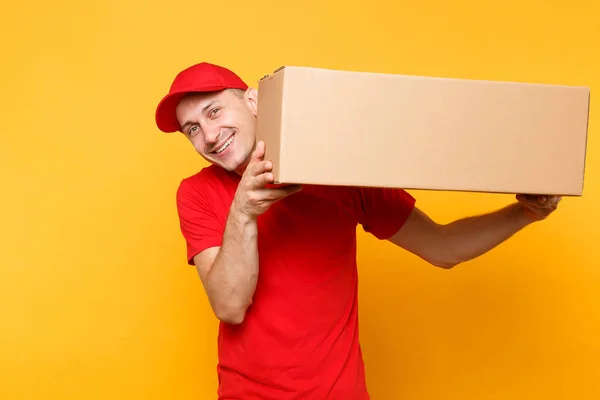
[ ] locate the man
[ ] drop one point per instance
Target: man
(279, 263)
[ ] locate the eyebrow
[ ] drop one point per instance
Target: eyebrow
(206, 107)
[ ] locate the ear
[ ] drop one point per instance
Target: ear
(251, 97)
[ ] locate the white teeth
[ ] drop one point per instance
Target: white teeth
(227, 143)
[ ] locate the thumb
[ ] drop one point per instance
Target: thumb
(258, 153)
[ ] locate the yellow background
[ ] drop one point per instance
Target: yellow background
(96, 300)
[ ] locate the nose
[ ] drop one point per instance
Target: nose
(211, 134)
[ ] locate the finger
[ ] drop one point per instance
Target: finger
(257, 154)
(260, 168)
(554, 200)
(281, 192)
(538, 201)
(263, 179)
(539, 209)
(528, 200)
(528, 197)
(544, 201)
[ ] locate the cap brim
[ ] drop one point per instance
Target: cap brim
(165, 116)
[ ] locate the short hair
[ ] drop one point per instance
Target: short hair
(238, 92)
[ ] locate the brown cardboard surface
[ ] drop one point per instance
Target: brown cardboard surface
(332, 127)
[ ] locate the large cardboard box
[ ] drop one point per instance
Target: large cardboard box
(332, 127)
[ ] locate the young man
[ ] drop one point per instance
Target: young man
(279, 263)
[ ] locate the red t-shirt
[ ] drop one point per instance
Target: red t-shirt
(299, 339)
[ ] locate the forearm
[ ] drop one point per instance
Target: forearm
(231, 282)
(468, 238)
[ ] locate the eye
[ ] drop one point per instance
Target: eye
(193, 130)
(214, 112)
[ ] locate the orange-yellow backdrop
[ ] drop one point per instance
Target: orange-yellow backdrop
(96, 300)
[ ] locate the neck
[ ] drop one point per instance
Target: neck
(242, 167)
(240, 170)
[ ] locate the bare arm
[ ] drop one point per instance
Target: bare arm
(229, 273)
(465, 239)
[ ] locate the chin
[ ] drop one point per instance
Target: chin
(230, 165)
(232, 162)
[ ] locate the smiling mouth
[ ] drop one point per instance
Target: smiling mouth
(225, 145)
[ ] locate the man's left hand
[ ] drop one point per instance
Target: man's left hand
(538, 207)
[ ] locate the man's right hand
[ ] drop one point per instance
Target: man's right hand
(252, 197)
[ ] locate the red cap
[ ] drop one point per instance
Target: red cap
(203, 77)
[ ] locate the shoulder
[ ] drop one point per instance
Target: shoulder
(201, 207)
(368, 199)
(383, 211)
(210, 190)
(364, 196)
(384, 194)
(196, 190)
(203, 183)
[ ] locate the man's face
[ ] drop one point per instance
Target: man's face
(221, 126)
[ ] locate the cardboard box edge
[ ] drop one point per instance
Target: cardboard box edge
(586, 141)
(281, 70)
(277, 163)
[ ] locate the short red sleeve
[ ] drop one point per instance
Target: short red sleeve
(198, 221)
(383, 211)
